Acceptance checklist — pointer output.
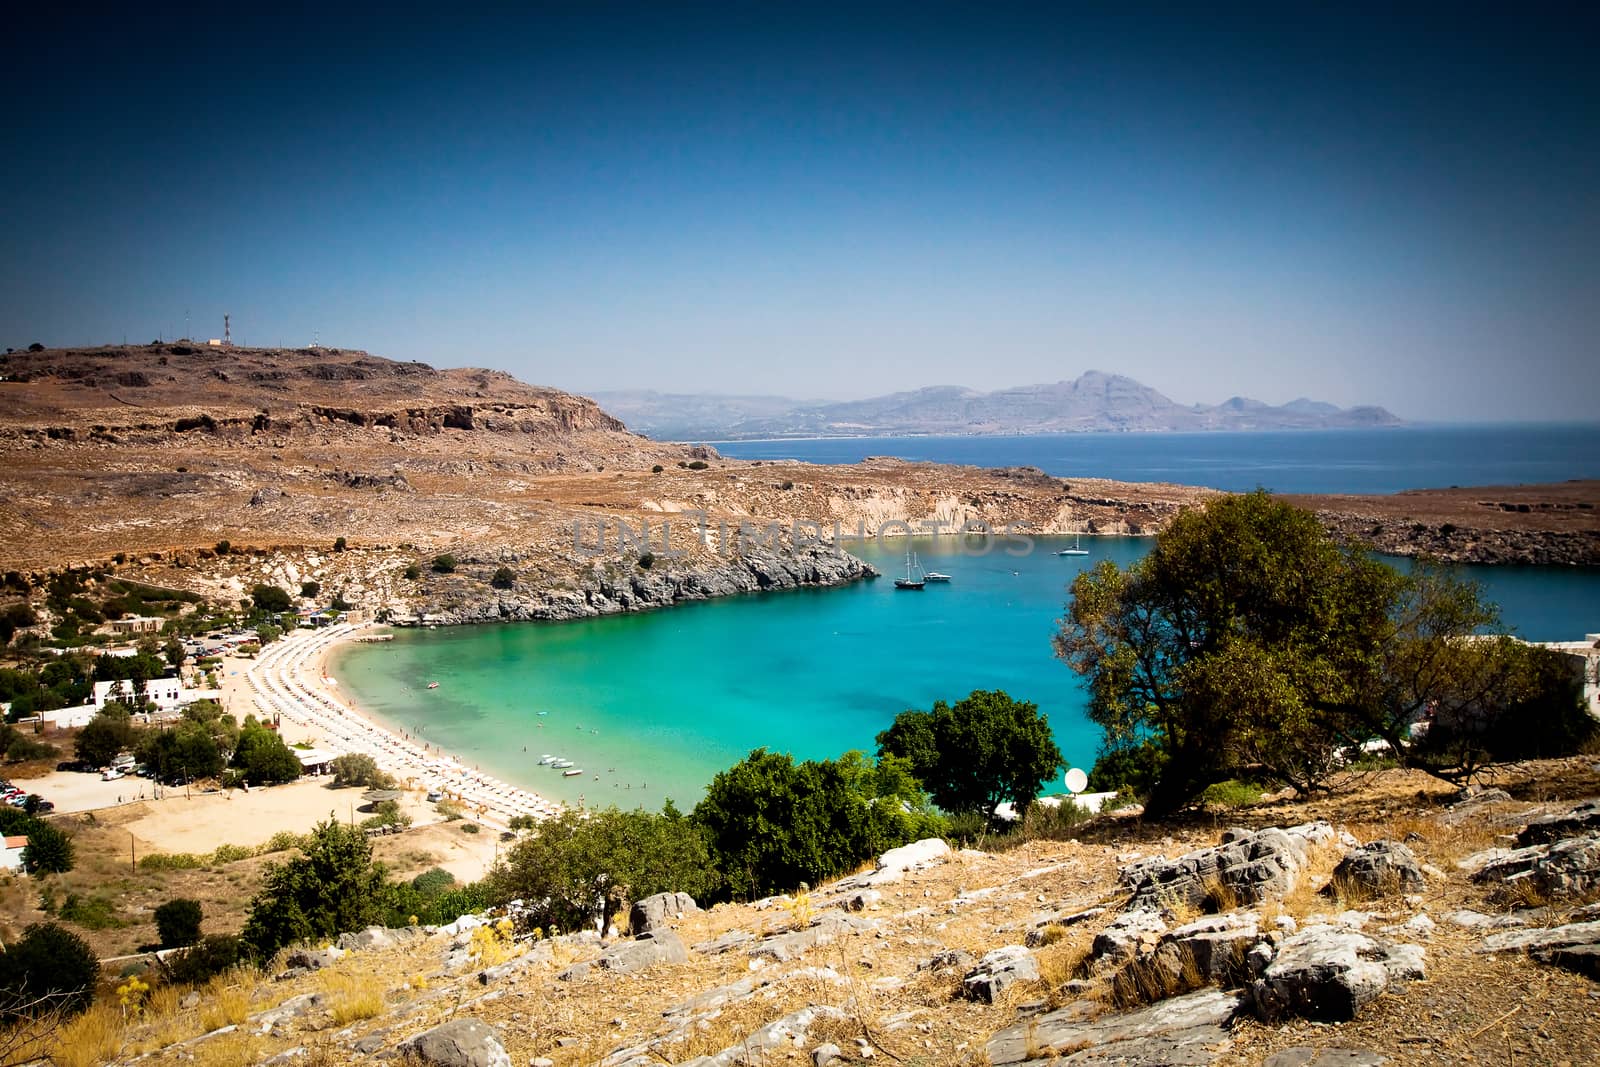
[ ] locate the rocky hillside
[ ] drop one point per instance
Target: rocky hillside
(1092, 401)
(1395, 923)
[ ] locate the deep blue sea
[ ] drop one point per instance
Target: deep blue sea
(653, 705)
(1298, 461)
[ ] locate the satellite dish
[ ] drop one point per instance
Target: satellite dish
(1077, 781)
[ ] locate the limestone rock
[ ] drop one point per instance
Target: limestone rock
(1540, 939)
(998, 969)
(1380, 868)
(633, 956)
(893, 864)
(1218, 945)
(373, 937)
(787, 1032)
(1186, 1031)
(1329, 972)
(653, 912)
(1131, 934)
(460, 1043)
(1248, 866)
(1583, 819)
(1565, 868)
(312, 959)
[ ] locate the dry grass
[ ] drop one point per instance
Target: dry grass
(226, 1002)
(90, 1038)
(351, 997)
(229, 1050)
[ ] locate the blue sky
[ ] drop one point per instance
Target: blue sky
(833, 201)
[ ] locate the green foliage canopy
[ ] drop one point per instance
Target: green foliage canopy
(570, 862)
(983, 750)
(333, 888)
(1249, 641)
(48, 966)
(178, 922)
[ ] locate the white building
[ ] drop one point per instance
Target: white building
(11, 853)
(167, 694)
(1584, 657)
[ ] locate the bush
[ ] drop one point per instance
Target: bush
(355, 769)
(48, 961)
(309, 590)
(339, 544)
(332, 889)
(270, 598)
(223, 548)
(647, 560)
(36, 347)
(412, 572)
(657, 469)
(1233, 793)
(504, 578)
(208, 957)
(431, 883)
(92, 912)
(698, 465)
(445, 564)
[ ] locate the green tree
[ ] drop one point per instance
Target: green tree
(104, 736)
(568, 863)
(50, 966)
(354, 768)
(985, 749)
(185, 751)
(178, 922)
(333, 888)
(1248, 641)
(48, 851)
(270, 598)
(771, 823)
(263, 758)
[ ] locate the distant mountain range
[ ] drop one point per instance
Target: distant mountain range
(1094, 402)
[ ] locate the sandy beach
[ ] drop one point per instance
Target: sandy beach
(286, 682)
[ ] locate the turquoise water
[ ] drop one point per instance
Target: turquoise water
(1297, 461)
(655, 704)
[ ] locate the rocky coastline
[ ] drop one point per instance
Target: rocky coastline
(611, 587)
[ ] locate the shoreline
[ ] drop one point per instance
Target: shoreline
(280, 686)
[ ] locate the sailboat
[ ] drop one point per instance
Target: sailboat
(913, 579)
(1077, 548)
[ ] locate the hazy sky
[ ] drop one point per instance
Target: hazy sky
(833, 201)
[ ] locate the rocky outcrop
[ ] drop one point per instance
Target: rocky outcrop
(613, 588)
(459, 1043)
(1186, 1031)
(1328, 972)
(652, 914)
(998, 970)
(629, 957)
(1554, 870)
(1379, 868)
(1581, 819)
(1247, 867)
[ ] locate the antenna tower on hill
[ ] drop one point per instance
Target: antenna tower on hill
(227, 338)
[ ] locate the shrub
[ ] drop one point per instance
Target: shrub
(1233, 793)
(92, 912)
(657, 469)
(339, 544)
(271, 598)
(48, 961)
(355, 768)
(207, 957)
(431, 883)
(310, 589)
(504, 578)
(698, 465)
(647, 560)
(445, 564)
(223, 548)
(178, 922)
(36, 347)
(412, 573)
(333, 888)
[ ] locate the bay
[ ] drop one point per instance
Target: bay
(652, 705)
(1385, 460)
